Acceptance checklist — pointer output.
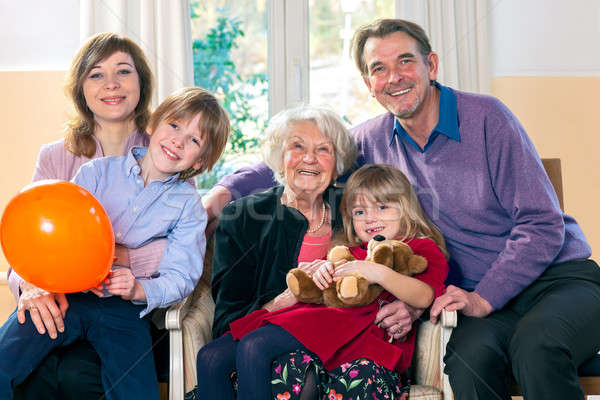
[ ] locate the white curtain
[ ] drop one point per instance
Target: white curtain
(458, 31)
(161, 28)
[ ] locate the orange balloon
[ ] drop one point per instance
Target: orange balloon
(57, 236)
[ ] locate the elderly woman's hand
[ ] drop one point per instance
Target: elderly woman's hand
(285, 299)
(47, 310)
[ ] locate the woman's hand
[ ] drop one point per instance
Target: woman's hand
(370, 270)
(285, 299)
(397, 318)
(47, 310)
(121, 256)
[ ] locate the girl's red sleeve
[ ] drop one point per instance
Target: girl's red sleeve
(437, 265)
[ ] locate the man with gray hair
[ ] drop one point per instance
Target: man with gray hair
(518, 264)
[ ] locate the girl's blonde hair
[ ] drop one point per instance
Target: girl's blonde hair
(80, 129)
(382, 183)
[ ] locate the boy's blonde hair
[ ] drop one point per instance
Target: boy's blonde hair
(382, 183)
(213, 125)
(79, 138)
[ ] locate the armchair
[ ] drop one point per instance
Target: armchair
(190, 324)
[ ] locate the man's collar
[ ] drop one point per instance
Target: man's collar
(447, 119)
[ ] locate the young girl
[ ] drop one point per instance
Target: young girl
(349, 355)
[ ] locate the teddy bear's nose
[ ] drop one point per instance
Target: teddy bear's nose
(379, 238)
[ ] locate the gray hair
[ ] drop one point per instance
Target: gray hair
(329, 124)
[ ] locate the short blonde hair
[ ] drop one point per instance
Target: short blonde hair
(213, 125)
(330, 126)
(80, 129)
(382, 183)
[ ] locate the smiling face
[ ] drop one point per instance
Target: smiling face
(398, 75)
(112, 89)
(175, 146)
(308, 159)
(370, 218)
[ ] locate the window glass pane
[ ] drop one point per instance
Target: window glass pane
(334, 80)
(230, 60)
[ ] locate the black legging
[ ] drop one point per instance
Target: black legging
(251, 357)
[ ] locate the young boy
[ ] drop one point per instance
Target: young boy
(146, 197)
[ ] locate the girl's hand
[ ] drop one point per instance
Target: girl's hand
(311, 267)
(323, 275)
(47, 310)
(369, 270)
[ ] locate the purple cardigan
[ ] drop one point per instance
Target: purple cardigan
(488, 193)
(55, 162)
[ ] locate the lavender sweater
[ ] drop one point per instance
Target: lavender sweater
(488, 193)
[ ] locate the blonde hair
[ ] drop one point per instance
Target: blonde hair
(213, 125)
(330, 126)
(80, 128)
(382, 183)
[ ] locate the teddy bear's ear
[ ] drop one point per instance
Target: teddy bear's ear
(382, 254)
(417, 264)
(339, 253)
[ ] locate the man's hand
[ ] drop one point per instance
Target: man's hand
(397, 318)
(214, 201)
(457, 299)
(47, 310)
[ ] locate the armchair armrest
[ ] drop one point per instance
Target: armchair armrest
(448, 321)
(174, 323)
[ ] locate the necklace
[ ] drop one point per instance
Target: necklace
(313, 230)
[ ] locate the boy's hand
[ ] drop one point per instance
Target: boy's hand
(121, 282)
(47, 310)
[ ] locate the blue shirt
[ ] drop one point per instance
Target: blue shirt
(139, 214)
(447, 121)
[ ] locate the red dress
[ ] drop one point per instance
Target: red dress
(340, 335)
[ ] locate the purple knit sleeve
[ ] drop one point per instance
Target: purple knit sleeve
(248, 180)
(524, 191)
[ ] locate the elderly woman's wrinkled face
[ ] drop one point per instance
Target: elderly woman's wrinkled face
(308, 159)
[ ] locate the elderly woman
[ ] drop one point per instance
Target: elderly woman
(261, 237)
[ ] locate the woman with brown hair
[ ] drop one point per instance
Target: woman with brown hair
(110, 85)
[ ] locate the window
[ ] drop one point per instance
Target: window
(230, 60)
(334, 79)
(254, 54)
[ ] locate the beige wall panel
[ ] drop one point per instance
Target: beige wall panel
(33, 110)
(562, 117)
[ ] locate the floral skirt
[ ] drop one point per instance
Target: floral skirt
(357, 380)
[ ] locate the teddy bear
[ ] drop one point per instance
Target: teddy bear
(353, 289)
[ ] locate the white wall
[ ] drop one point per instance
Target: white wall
(545, 37)
(38, 35)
